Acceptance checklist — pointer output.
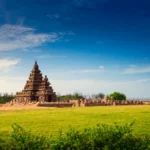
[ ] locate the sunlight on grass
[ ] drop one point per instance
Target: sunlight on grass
(49, 121)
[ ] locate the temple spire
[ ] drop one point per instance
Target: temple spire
(35, 65)
(36, 88)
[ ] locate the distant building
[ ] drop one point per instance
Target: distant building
(37, 89)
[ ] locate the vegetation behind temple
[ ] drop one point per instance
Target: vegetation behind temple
(99, 96)
(103, 136)
(76, 96)
(117, 96)
(4, 98)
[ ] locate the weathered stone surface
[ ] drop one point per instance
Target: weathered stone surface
(37, 89)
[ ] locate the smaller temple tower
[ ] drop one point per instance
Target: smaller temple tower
(45, 92)
(37, 88)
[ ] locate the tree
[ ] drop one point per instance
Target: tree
(117, 96)
(6, 98)
(77, 96)
(99, 96)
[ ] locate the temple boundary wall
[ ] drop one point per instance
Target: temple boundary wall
(81, 103)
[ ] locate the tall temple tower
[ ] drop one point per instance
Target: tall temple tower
(37, 88)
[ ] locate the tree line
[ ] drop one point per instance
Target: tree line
(98, 96)
(4, 98)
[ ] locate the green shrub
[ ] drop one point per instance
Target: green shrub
(23, 140)
(101, 137)
(2, 142)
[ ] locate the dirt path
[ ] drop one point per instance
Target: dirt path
(19, 107)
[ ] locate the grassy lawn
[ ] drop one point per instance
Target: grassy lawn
(49, 121)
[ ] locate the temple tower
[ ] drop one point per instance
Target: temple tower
(36, 88)
(34, 81)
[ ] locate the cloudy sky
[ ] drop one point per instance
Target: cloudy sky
(81, 45)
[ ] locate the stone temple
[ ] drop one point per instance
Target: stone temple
(37, 89)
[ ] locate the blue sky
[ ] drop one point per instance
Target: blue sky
(82, 45)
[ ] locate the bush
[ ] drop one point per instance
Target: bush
(22, 140)
(101, 137)
(1, 142)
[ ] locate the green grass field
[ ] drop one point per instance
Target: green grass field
(50, 121)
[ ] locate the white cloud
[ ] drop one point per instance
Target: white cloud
(13, 78)
(10, 31)
(136, 70)
(31, 50)
(13, 86)
(8, 64)
(9, 84)
(138, 88)
(14, 37)
(51, 56)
